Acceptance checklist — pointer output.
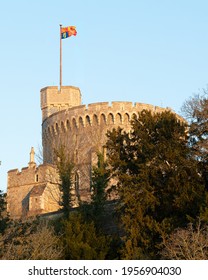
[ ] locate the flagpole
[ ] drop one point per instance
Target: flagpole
(60, 58)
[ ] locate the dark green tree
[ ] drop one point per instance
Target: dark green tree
(157, 181)
(99, 183)
(81, 240)
(65, 168)
(100, 212)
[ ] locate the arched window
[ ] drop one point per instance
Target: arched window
(76, 183)
(68, 124)
(126, 118)
(57, 129)
(62, 127)
(110, 118)
(36, 178)
(87, 121)
(74, 123)
(102, 119)
(81, 124)
(118, 118)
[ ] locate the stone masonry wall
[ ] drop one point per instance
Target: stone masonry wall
(21, 183)
(83, 129)
(54, 100)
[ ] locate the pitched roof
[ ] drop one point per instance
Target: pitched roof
(37, 190)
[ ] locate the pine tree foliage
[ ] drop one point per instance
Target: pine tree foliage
(100, 179)
(82, 241)
(65, 168)
(158, 183)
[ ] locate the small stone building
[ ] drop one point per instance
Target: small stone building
(33, 190)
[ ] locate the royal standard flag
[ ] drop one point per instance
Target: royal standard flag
(68, 31)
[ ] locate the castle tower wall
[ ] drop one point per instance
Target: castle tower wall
(55, 100)
(83, 129)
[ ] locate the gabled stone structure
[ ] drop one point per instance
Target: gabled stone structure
(33, 190)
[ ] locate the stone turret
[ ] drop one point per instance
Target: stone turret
(54, 100)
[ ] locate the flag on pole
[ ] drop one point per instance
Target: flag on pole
(65, 32)
(68, 31)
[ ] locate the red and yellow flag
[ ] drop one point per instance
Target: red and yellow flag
(68, 31)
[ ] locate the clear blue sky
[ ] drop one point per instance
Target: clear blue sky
(151, 51)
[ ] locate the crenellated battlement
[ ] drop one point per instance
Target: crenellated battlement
(27, 175)
(106, 113)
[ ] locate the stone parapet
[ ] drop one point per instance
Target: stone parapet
(115, 113)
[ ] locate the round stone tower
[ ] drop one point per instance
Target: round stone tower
(82, 128)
